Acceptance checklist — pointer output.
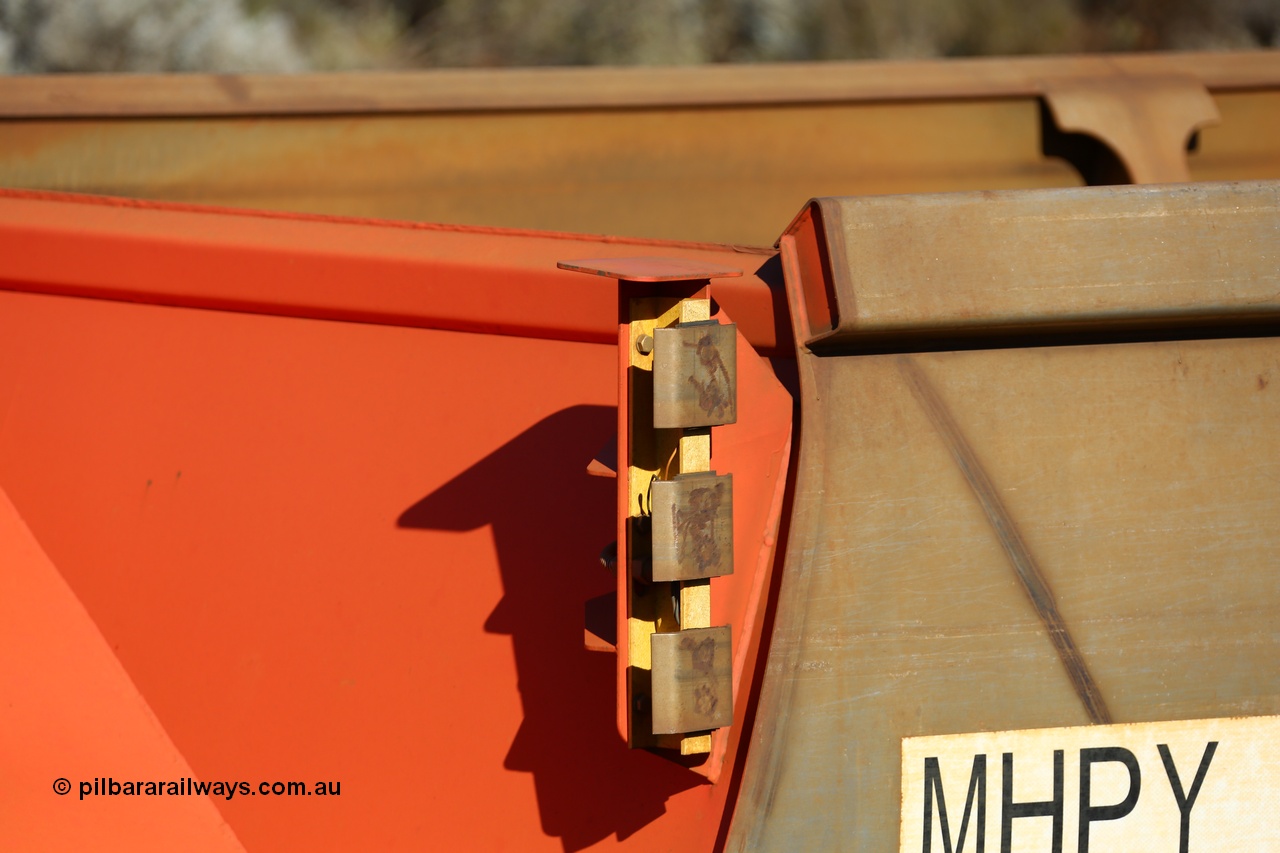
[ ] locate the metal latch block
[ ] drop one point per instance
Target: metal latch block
(692, 527)
(692, 680)
(695, 375)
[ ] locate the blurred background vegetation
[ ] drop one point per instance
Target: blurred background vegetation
(324, 35)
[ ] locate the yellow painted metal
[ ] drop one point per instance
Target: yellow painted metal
(695, 455)
(650, 452)
(695, 310)
(660, 454)
(695, 451)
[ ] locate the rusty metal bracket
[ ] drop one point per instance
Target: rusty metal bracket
(673, 340)
(694, 375)
(692, 527)
(692, 680)
(1146, 121)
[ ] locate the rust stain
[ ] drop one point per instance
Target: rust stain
(704, 653)
(695, 528)
(714, 395)
(1020, 557)
(705, 698)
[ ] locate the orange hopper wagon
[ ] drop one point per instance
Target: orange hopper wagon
(876, 493)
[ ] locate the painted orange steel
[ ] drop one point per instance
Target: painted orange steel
(72, 712)
(394, 273)
(291, 520)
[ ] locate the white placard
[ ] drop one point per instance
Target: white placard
(1193, 786)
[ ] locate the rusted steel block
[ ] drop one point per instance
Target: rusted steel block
(692, 680)
(695, 375)
(692, 527)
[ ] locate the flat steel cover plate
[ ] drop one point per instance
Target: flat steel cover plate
(692, 680)
(651, 269)
(695, 375)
